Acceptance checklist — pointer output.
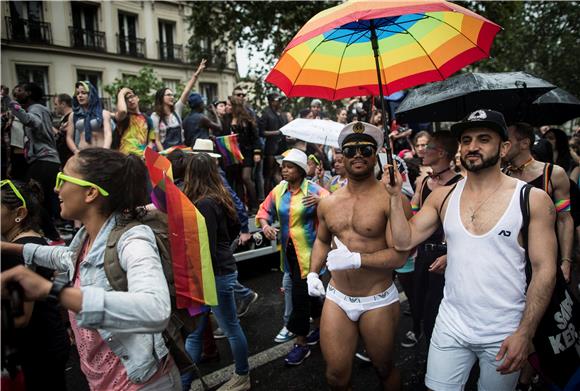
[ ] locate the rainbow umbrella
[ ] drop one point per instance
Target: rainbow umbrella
(380, 47)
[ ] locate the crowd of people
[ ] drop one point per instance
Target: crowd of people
(347, 232)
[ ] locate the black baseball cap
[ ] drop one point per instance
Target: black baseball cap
(482, 118)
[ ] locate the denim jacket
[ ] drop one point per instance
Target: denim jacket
(129, 322)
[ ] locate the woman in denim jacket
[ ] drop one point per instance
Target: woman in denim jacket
(118, 334)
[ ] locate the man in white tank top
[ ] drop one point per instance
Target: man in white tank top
(486, 312)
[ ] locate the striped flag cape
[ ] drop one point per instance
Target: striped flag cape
(229, 148)
(190, 254)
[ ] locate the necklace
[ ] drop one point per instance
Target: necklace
(521, 168)
(474, 211)
(437, 175)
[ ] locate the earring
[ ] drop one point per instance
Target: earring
(18, 219)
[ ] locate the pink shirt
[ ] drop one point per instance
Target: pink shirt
(102, 368)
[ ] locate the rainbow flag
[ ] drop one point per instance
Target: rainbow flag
(184, 148)
(229, 148)
(193, 275)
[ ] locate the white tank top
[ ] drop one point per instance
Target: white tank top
(485, 282)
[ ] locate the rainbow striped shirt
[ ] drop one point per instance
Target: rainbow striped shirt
(297, 222)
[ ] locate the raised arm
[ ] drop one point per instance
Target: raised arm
(542, 255)
(191, 82)
(409, 234)
(121, 104)
(564, 220)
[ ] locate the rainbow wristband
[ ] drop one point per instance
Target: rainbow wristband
(562, 206)
(414, 208)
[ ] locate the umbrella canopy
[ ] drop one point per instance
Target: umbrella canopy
(314, 131)
(453, 99)
(553, 108)
(416, 42)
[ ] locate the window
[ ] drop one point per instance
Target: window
(172, 84)
(209, 90)
(128, 42)
(26, 22)
(167, 49)
(95, 77)
(33, 74)
(84, 31)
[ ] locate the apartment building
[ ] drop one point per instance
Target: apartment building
(56, 43)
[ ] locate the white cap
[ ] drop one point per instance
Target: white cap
(361, 128)
(205, 146)
(297, 157)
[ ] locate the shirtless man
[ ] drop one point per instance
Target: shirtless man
(486, 313)
(361, 296)
(524, 167)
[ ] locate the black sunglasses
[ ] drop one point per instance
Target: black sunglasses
(364, 150)
(241, 95)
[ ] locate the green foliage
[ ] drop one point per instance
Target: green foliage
(539, 37)
(267, 26)
(144, 84)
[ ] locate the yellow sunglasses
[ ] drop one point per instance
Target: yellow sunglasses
(60, 178)
(14, 189)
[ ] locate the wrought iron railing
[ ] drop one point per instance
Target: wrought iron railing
(87, 39)
(23, 30)
(170, 52)
(131, 46)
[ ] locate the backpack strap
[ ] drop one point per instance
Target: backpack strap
(525, 208)
(115, 274)
(548, 168)
(423, 184)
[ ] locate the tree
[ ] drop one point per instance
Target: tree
(539, 37)
(144, 85)
(267, 26)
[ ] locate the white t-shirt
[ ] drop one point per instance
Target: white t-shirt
(171, 125)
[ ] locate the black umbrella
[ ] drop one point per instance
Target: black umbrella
(553, 108)
(451, 100)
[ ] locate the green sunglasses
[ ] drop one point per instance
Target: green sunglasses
(60, 178)
(14, 189)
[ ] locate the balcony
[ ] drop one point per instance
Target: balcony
(31, 31)
(131, 46)
(170, 52)
(215, 59)
(87, 39)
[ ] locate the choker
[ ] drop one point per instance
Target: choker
(521, 168)
(437, 175)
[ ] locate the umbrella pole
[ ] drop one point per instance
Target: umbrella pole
(375, 46)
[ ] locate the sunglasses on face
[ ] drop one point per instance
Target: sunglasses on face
(169, 94)
(241, 95)
(364, 150)
(14, 190)
(61, 178)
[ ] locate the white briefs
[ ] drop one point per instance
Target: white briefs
(354, 307)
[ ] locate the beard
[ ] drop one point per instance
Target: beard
(359, 175)
(485, 163)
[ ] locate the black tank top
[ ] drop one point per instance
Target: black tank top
(439, 234)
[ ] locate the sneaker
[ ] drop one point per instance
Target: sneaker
(297, 355)
(313, 337)
(284, 335)
(410, 340)
(237, 383)
(363, 356)
(244, 306)
(219, 333)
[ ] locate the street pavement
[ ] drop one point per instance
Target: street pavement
(268, 373)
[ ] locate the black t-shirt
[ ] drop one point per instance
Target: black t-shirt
(45, 336)
(221, 232)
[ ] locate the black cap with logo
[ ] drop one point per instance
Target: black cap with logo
(489, 119)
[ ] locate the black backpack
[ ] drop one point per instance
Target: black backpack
(556, 341)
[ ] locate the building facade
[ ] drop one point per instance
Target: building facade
(56, 43)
